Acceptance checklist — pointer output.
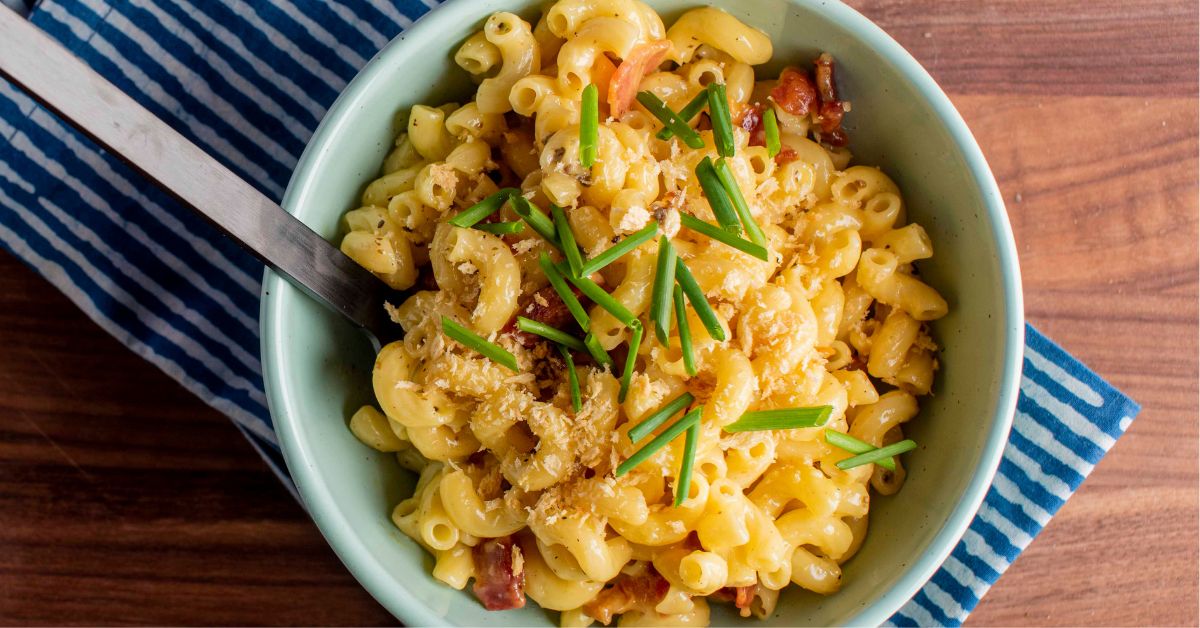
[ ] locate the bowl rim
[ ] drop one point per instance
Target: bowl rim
(317, 497)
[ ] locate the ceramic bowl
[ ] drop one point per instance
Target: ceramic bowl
(317, 368)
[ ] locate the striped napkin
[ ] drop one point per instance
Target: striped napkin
(168, 286)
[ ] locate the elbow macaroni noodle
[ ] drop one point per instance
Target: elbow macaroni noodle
(836, 317)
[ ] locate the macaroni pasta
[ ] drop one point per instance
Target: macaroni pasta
(518, 487)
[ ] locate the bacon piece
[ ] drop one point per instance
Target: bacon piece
(623, 86)
(751, 121)
(545, 306)
(750, 118)
(643, 591)
(795, 93)
(499, 574)
(742, 598)
(829, 115)
(825, 83)
(786, 155)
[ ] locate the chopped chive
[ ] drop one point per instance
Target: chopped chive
(589, 125)
(683, 483)
(599, 296)
(660, 416)
(566, 239)
(739, 202)
(572, 378)
(596, 351)
(719, 234)
(699, 302)
(670, 119)
(564, 291)
(549, 333)
(482, 209)
(689, 111)
(535, 218)
(472, 340)
(668, 435)
(718, 112)
(501, 228)
(685, 332)
(614, 252)
(877, 455)
(660, 299)
(855, 446)
(771, 125)
(635, 342)
(781, 419)
(718, 198)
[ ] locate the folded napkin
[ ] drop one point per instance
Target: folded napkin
(248, 82)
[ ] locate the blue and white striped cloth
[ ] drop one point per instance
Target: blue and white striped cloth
(248, 82)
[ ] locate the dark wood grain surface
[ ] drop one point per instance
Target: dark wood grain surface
(125, 500)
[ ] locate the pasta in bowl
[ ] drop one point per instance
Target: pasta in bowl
(663, 329)
(804, 349)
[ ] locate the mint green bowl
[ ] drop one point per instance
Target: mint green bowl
(317, 368)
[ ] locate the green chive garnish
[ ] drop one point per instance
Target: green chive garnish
(699, 302)
(670, 119)
(689, 111)
(482, 209)
(660, 416)
(668, 435)
(718, 198)
(596, 351)
(721, 235)
(718, 111)
(635, 342)
(683, 484)
(877, 455)
(566, 239)
(780, 419)
(589, 125)
(614, 252)
(572, 378)
(474, 341)
(685, 332)
(599, 296)
(501, 228)
(549, 333)
(564, 291)
(855, 446)
(534, 217)
(739, 202)
(771, 126)
(660, 299)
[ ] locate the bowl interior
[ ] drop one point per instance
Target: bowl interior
(318, 368)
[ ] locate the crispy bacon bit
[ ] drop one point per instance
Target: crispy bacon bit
(750, 118)
(623, 86)
(786, 155)
(499, 574)
(643, 592)
(743, 597)
(829, 115)
(751, 121)
(795, 92)
(545, 306)
(825, 83)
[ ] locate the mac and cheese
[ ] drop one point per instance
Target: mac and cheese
(518, 486)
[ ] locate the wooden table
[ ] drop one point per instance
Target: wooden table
(125, 500)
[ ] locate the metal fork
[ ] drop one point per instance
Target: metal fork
(57, 79)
